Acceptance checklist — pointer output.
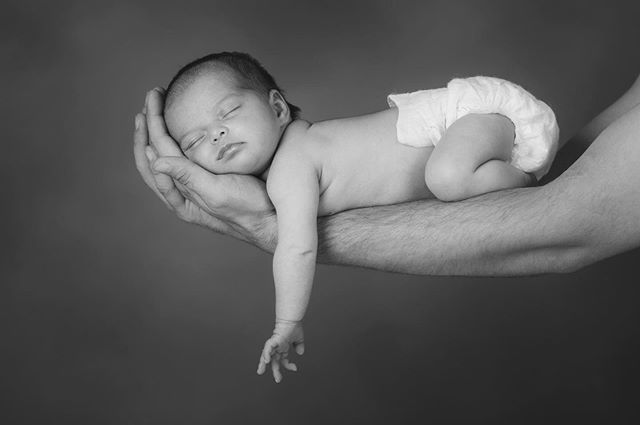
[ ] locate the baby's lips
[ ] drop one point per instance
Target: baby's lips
(223, 150)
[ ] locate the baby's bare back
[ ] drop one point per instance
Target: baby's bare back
(362, 164)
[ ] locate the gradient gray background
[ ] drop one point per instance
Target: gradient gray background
(115, 312)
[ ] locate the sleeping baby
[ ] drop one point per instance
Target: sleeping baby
(474, 136)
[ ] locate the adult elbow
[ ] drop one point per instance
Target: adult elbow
(573, 258)
(572, 231)
(570, 266)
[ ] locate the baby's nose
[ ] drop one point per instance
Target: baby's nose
(219, 136)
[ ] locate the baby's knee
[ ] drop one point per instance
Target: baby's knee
(447, 181)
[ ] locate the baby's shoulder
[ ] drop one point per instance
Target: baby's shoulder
(296, 155)
(299, 143)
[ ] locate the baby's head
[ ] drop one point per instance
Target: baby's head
(227, 113)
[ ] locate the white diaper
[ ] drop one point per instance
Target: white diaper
(423, 117)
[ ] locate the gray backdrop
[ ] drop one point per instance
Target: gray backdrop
(115, 312)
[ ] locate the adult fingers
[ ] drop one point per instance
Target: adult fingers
(140, 142)
(186, 173)
(144, 106)
(142, 157)
(165, 185)
(158, 134)
(167, 188)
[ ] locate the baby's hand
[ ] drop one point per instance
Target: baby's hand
(276, 350)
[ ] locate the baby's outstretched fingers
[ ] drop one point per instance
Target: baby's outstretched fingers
(275, 367)
(299, 347)
(262, 365)
(265, 356)
(269, 349)
(276, 352)
(289, 366)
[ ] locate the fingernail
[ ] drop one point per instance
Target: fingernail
(137, 121)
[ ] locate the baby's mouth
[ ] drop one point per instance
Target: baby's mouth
(228, 149)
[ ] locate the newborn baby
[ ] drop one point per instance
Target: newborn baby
(475, 136)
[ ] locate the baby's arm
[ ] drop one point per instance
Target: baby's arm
(294, 190)
(472, 158)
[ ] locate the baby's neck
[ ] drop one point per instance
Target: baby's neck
(265, 174)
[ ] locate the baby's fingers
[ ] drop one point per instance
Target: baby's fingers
(264, 361)
(267, 351)
(265, 358)
(289, 366)
(262, 366)
(275, 367)
(299, 348)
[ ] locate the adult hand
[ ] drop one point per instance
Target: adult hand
(237, 205)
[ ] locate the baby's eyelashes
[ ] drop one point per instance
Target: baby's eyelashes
(193, 143)
(226, 114)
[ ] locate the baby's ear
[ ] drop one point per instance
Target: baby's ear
(279, 105)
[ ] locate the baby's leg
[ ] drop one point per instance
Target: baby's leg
(472, 158)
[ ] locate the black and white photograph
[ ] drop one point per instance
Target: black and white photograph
(320, 212)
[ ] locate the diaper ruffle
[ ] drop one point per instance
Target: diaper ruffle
(536, 128)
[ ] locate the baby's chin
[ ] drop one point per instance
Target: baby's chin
(214, 166)
(240, 163)
(209, 164)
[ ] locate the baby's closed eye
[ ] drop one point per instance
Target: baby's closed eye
(193, 143)
(229, 112)
(232, 110)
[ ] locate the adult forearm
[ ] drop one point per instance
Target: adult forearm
(589, 213)
(513, 232)
(553, 228)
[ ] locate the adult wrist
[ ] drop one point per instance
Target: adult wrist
(261, 230)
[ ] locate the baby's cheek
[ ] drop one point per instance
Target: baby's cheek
(191, 155)
(204, 156)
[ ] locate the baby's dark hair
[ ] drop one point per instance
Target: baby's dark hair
(249, 73)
